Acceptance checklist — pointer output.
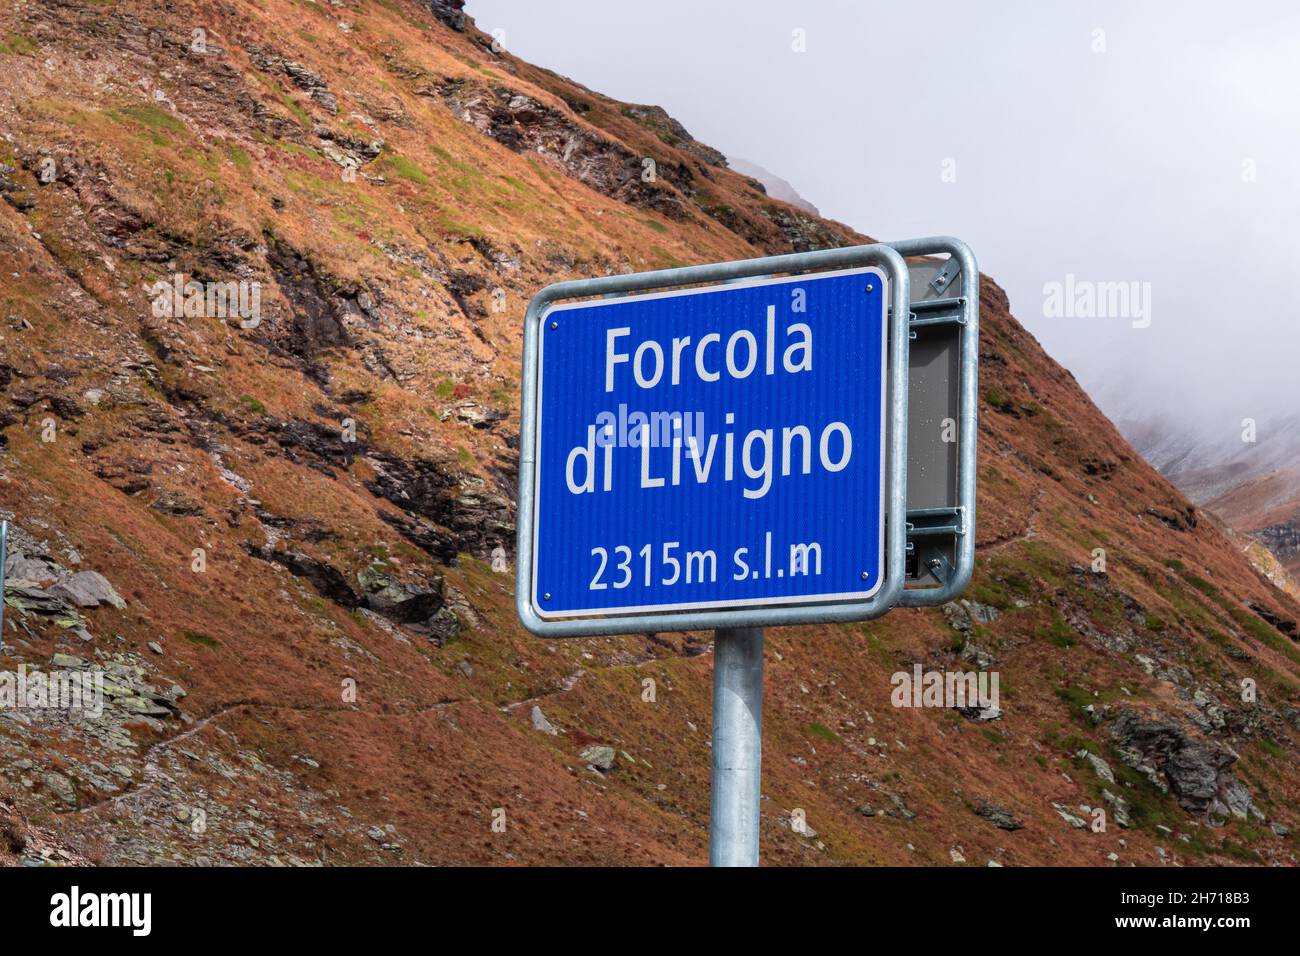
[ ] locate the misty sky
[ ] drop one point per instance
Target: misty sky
(1121, 155)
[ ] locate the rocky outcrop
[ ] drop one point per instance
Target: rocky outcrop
(1284, 625)
(1198, 773)
(1282, 539)
(657, 120)
(999, 816)
(476, 518)
(421, 607)
(527, 125)
(450, 12)
(324, 577)
(317, 311)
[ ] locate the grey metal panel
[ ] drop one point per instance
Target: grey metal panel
(932, 412)
(941, 483)
(878, 254)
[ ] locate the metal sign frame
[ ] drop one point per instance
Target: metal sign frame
(892, 264)
(933, 304)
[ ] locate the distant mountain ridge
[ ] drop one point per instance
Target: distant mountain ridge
(1248, 475)
(776, 187)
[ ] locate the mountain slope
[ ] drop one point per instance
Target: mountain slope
(303, 517)
(1247, 476)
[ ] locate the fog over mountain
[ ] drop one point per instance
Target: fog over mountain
(1114, 144)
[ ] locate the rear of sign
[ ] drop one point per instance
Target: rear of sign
(712, 448)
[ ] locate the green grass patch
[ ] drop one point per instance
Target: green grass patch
(239, 157)
(195, 637)
(819, 730)
(1078, 698)
(989, 592)
(18, 45)
(154, 118)
(300, 114)
(1059, 632)
(403, 167)
(252, 404)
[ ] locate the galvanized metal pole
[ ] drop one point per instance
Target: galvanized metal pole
(737, 746)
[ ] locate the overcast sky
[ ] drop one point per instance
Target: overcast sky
(1119, 142)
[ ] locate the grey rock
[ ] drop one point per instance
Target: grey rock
(477, 416)
(965, 613)
(61, 787)
(980, 714)
(540, 722)
(443, 626)
(450, 12)
(38, 571)
(1198, 772)
(421, 605)
(143, 706)
(304, 78)
(1099, 765)
(1069, 817)
(87, 589)
(177, 503)
(326, 99)
(977, 655)
(1119, 807)
(999, 816)
(600, 756)
(900, 810)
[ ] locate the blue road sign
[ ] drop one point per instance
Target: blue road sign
(712, 448)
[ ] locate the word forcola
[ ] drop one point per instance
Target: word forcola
(176, 298)
(739, 357)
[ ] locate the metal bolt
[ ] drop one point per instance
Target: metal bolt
(555, 325)
(546, 597)
(865, 575)
(870, 287)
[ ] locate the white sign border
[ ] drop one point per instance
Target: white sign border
(637, 610)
